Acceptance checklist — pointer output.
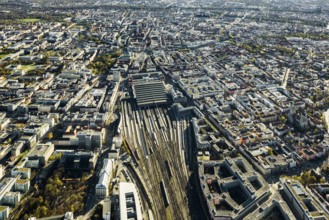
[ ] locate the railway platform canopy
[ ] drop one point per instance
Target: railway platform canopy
(149, 93)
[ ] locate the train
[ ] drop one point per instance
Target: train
(164, 194)
(168, 169)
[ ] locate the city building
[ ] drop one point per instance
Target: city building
(22, 185)
(130, 207)
(230, 188)
(11, 198)
(79, 161)
(105, 176)
(300, 199)
(90, 139)
(39, 156)
(148, 88)
(106, 213)
(4, 212)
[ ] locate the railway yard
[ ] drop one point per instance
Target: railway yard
(157, 140)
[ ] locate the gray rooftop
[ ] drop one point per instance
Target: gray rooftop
(149, 92)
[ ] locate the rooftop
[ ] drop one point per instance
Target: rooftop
(149, 92)
(130, 207)
(231, 185)
(40, 150)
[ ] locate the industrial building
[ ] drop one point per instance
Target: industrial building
(130, 207)
(105, 176)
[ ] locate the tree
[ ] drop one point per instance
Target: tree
(307, 178)
(72, 208)
(41, 211)
(270, 151)
(54, 186)
(58, 182)
(40, 200)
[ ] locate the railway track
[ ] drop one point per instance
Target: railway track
(154, 133)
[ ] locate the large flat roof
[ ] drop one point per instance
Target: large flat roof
(129, 190)
(41, 149)
(149, 92)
